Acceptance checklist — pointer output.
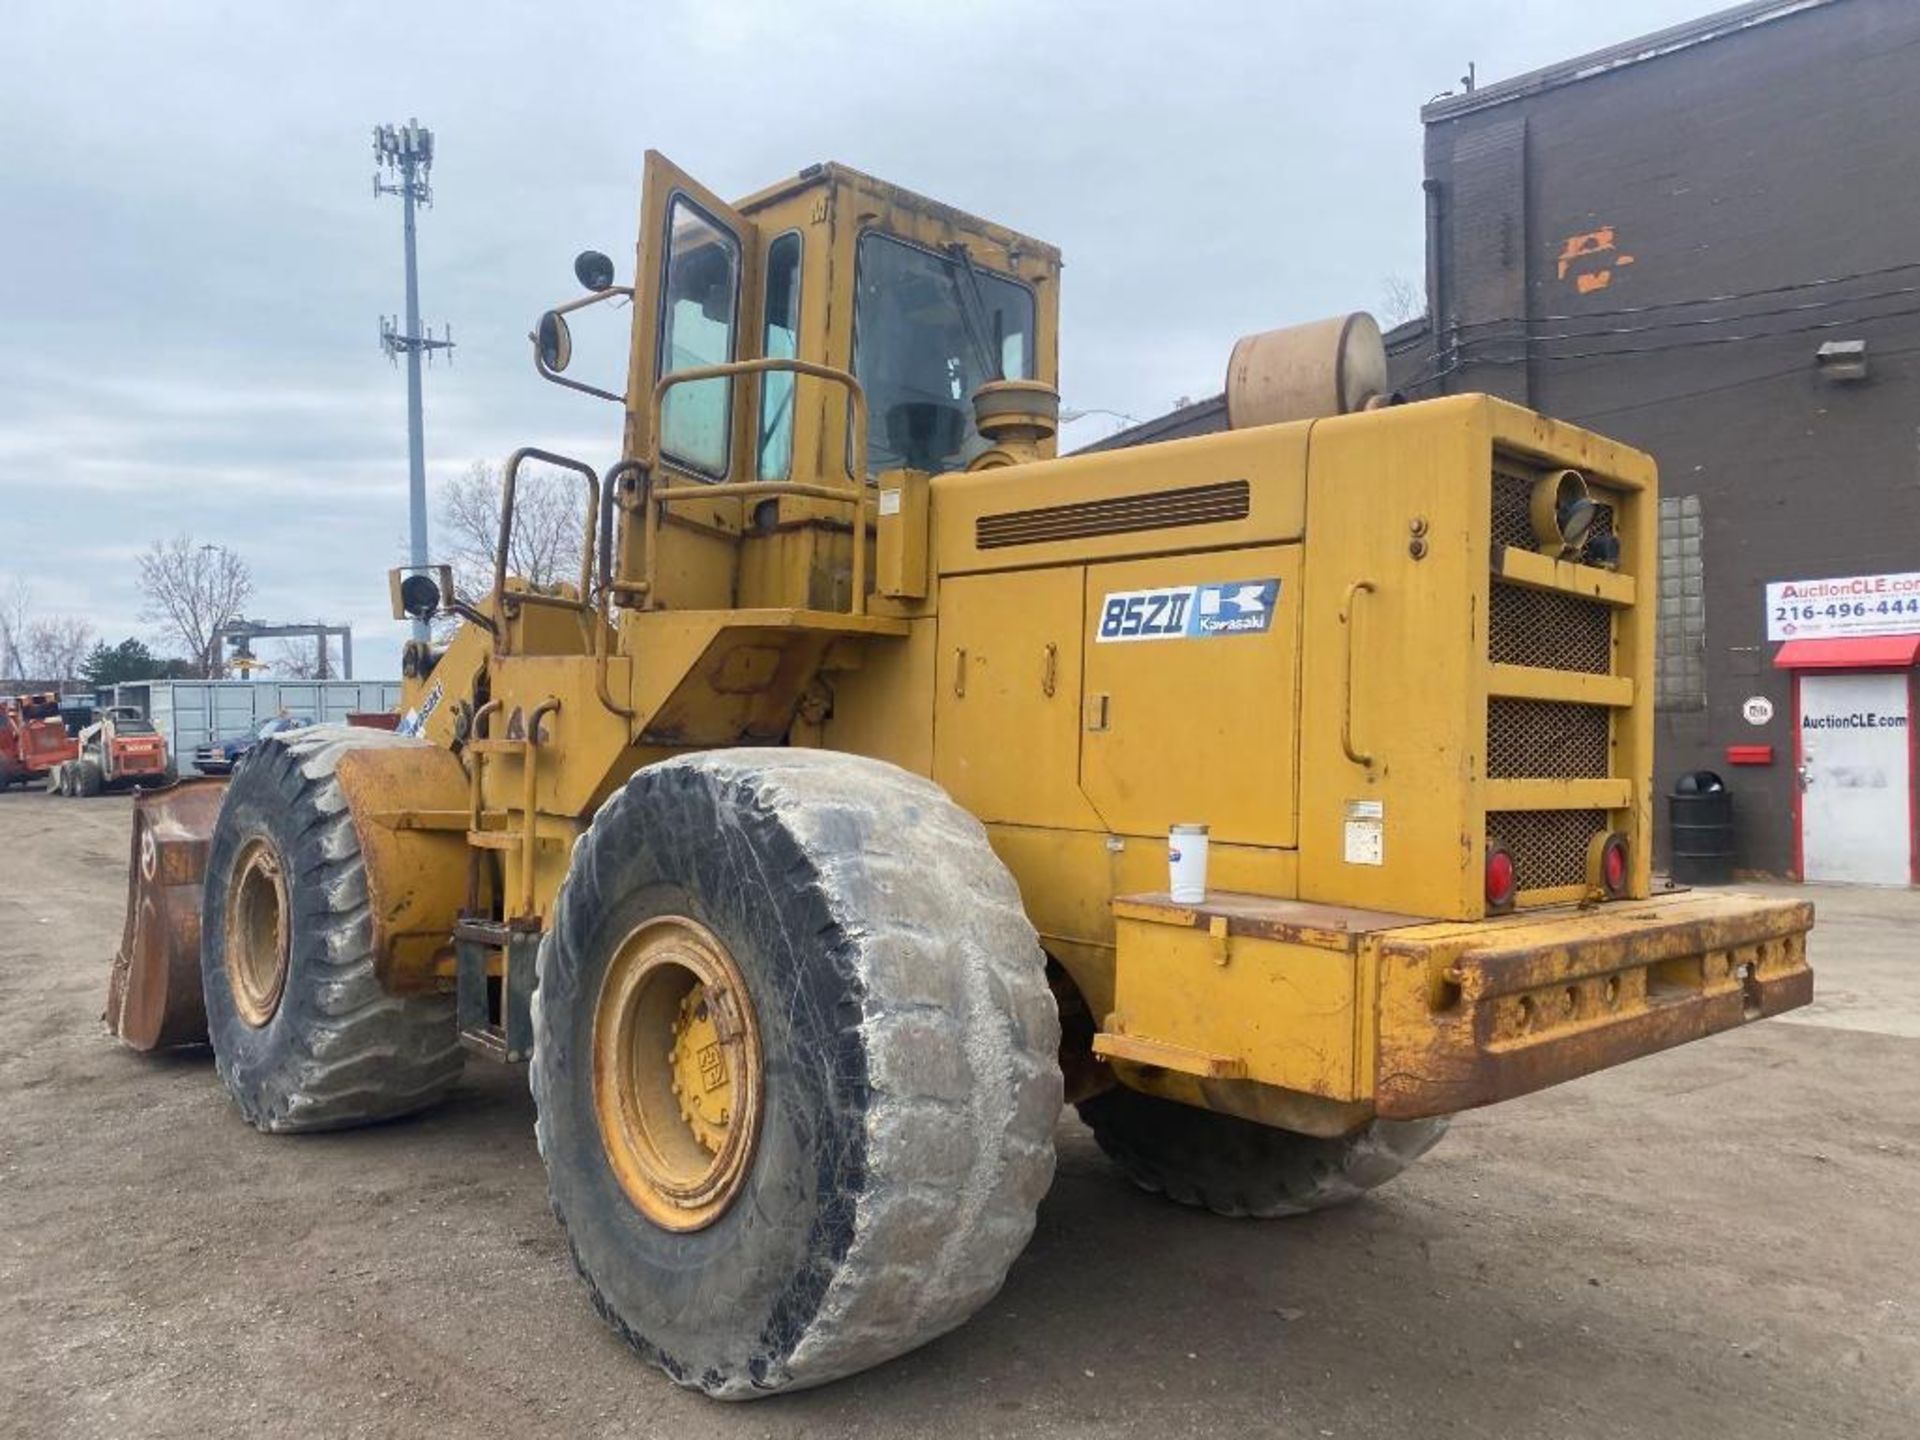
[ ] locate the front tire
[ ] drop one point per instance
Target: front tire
(304, 1034)
(1239, 1168)
(884, 1043)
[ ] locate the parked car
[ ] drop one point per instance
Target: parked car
(220, 757)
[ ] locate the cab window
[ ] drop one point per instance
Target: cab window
(779, 340)
(928, 330)
(699, 297)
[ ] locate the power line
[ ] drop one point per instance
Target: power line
(1458, 358)
(1704, 390)
(1783, 333)
(1725, 299)
(1706, 321)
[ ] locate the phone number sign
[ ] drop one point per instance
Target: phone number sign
(1846, 605)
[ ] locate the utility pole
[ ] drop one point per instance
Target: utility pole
(405, 154)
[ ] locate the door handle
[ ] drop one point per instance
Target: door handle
(1357, 756)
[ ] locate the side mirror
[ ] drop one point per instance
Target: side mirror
(593, 270)
(419, 596)
(554, 342)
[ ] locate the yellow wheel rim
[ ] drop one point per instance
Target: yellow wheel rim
(256, 940)
(676, 1072)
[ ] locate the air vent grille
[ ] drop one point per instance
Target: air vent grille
(1549, 847)
(1546, 740)
(1549, 629)
(1115, 515)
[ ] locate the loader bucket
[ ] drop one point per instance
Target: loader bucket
(154, 1000)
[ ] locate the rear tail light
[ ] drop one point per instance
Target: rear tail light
(1503, 880)
(1614, 871)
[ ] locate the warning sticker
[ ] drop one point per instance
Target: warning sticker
(1366, 832)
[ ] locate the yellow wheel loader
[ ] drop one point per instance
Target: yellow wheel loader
(813, 845)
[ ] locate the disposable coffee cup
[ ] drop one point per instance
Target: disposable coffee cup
(1187, 864)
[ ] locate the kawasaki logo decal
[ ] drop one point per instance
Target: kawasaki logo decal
(1189, 612)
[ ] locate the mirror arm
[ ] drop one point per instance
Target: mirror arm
(548, 373)
(465, 611)
(540, 364)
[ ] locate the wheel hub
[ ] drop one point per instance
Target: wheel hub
(676, 1072)
(255, 945)
(702, 1082)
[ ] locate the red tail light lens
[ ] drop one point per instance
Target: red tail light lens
(1502, 879)
(1614, 870)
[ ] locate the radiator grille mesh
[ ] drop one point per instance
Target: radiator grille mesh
(1549, 847)
(1546, 740)
(1549, 629)
(1115, 515)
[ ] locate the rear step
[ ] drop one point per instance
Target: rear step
(475, 943)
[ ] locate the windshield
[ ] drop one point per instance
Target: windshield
(929, 330)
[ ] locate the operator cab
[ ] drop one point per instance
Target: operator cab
(786, 351)
(921, 303)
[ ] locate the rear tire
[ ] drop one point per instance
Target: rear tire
(304, 1034)
(1239, 1168)
(906, 1081)
(87, 779)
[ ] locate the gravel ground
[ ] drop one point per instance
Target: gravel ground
(1718, 1241)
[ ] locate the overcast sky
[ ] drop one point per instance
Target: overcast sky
(193, 266)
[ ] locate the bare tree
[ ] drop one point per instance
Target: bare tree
(57, 646)
(549, 523)
(190, 590)
(16, 610)
(1400, 301)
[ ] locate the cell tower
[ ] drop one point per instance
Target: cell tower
(404, 154)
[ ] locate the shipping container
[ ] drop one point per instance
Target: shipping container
(192, 713)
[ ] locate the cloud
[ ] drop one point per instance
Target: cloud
(193, 264)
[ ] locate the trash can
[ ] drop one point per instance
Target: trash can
(1700, 829)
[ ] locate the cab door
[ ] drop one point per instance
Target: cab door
(696, 285)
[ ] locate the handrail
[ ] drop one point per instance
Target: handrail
(1358, 757)
(529, 798)
(854, 493)
(507, 488)
(476, 730)
(604, 593)
(856, 401)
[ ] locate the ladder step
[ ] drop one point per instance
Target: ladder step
(483, 932)
(475, 943)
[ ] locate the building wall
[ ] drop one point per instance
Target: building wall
(1602, 209)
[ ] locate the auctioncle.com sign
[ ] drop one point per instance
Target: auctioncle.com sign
(1846, 605)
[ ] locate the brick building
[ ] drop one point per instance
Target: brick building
(1704, 243)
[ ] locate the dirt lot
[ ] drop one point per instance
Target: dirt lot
(1722, 1240)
